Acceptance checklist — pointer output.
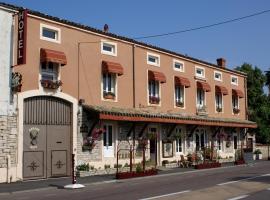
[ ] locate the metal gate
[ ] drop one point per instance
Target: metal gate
(46, 137)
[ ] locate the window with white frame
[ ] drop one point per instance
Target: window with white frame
(153, 88)
(50, 33)
(219, 144)
(200, 72)
(200, 139)
(49, 71)
(219, 103)
(179, 145)
(179, 96)
(218, 76)
(107, 136)
(200, 98)
(234, 80)
(109, 48)
(153, 59)
(235, 102)
(178, 65)
(109, 85)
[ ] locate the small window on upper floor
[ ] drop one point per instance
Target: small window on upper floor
(178, 65)
(234, 80)
(200, 72)
(50, 33)
(109, 48)
(153, 59)
(218, 76)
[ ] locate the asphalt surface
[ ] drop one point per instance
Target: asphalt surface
(241, 182)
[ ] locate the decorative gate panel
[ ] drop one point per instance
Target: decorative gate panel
(47, 125)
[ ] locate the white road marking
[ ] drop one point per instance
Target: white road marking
(166, 195)
(230, 182)
(239, 197)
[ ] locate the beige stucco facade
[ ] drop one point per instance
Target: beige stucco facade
(82, 83)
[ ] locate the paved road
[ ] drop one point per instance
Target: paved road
(242, 182)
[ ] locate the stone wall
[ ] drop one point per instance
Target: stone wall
(8, 140)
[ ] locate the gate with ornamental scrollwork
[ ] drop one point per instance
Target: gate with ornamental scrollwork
(46, 137)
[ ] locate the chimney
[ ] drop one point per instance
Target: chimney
(106, 28)
(221, 62)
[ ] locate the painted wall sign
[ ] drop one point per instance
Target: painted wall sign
(22, 29)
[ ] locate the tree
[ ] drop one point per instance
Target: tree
(267, 74)
(258, 101)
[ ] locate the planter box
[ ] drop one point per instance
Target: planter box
(239, 162)
(225, 160)
(125, 175)
(257, 156)
(171, 165)
(207, 165)
(86, 173)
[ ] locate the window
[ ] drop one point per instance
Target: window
(49, 71)
(107, 136)
(235, 104)
(234, 80)
(109, 48)
(179, 145)
(235, 145)
(153, 59)
(153, 88)
(218, 76)
(200, 98)
(109, 82)
(200, 139)
(178, 65)
(219, 142)
(219, 102)
(50, 33)
(199, 71)
(179, 96)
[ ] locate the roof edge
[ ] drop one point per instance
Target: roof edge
(98, 31)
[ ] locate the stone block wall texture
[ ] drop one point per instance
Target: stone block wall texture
(8, 140)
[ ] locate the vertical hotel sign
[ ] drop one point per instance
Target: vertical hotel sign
(22, 29)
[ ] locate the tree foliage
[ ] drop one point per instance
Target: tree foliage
(258, 101)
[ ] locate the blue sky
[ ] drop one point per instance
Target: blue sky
(238, 42)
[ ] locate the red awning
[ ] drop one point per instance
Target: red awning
(238, 93)
(181, 81)
(204, 86)
(221, 89)
(156, 76)
(47, 55)
(113, 68)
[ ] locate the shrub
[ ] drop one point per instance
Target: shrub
(107, 166)
(257, 151)
(117, 166)
(138, 168)
(83, 167)
(126, 165)
(174, 161)
(164, 162)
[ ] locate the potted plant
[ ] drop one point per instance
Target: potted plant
(179, 104)
(154, 100)
(219, 109)
(108, 95)
(236, 110)
(257, 154)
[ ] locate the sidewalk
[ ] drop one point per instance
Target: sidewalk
(61, 182)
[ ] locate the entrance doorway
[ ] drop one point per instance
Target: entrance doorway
(153, 145)
(46, 137)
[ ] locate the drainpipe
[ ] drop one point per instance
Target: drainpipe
(8, 169)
